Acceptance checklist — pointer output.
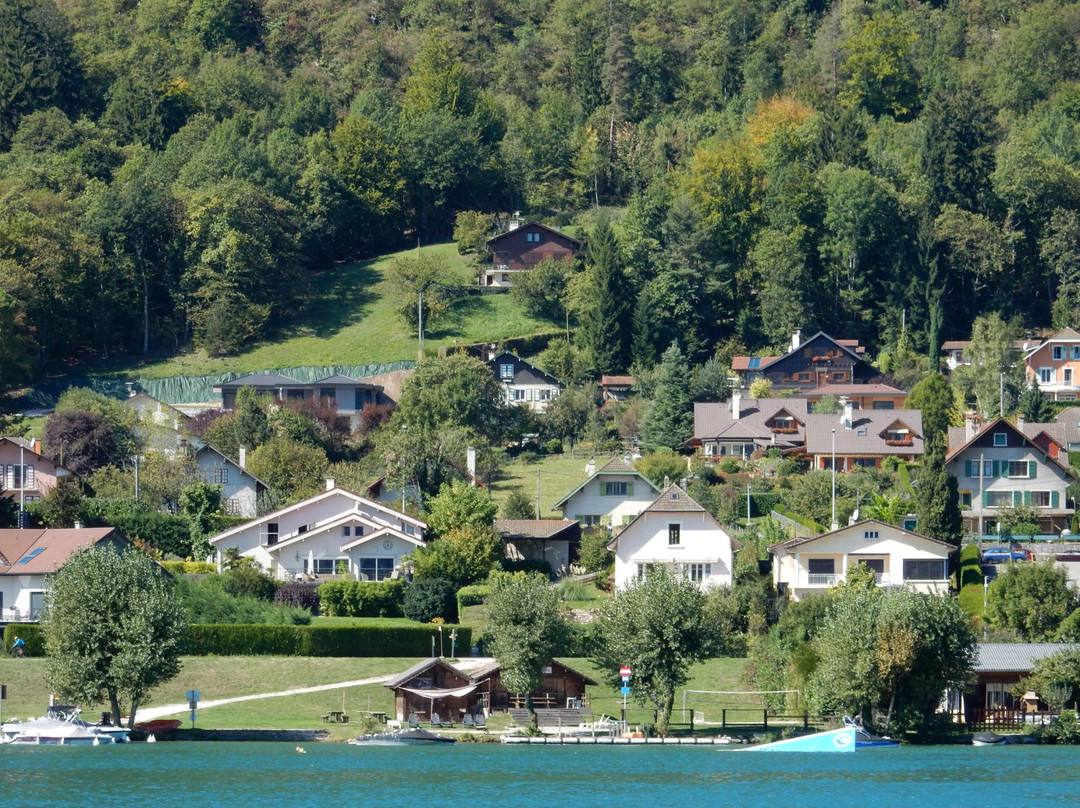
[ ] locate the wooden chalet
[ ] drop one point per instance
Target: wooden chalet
(433, 685)
(522, 248)
(562, 687)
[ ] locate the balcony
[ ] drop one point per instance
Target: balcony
(20, 615)
(831, 579)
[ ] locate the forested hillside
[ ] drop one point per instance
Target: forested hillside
(174, 172)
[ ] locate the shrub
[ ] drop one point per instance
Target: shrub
(362, 598)
(189, 567)
(321, 641)
(527, 565)
(249, 582)
(474, 595)
(1064, 729)
(428, 598)
(29, 633)
(729, 465)
(206, 601)
(593, 553)
(298, 593)
(573, 590)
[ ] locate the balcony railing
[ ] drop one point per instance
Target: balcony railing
(20, 615)
(832, 579)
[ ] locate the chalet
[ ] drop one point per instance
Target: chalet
(26, 475)
(348, 395)
(434, 686)
(616, 388)
(861, 396)
(556, 541)
(819, 361)
(741, 426)
(328, 535)
(804, 566)
(998, 466)
(610, 496)
(677, 533)
(863, 438)
(523, 382)
(27, 556)
(522, 248)
(958, 351)
(561, 687)
(1054, 365)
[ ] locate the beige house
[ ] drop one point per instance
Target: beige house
(25, 474)
(805, 566)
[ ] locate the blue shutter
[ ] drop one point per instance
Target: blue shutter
(967, 469)
(1053, 499)
(1033, 469)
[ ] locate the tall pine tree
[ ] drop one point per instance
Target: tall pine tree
(670, 418)
(603, 302)
(937, 499)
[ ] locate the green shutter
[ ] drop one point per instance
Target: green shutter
(1027, 497)
(1018, 498)
(1004, 468)
(629, 489)
(967, 469)
(1053, 499)
(605, 489)
(1033, 469)
(986, 499)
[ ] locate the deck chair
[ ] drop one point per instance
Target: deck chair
(436, 720)
(467, 721)
(480, 722)
(414, 720)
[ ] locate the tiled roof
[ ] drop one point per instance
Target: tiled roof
(870, 423)
(1016, 657)
(614, 466)
(617, 464)
(798, 540)
(533, 528)
(713, 420)
(855, 390)
(37, 552)
(674, 499)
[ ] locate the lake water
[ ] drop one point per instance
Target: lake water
(264, 775)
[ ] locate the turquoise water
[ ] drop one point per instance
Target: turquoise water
(262, 775)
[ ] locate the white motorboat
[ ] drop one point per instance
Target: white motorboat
(67, 731)
(402, 737)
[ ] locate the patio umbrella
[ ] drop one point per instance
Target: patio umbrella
(311, 562)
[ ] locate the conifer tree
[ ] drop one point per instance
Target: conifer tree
(603, 302)
(1035, 406)
(670, 418)
(937, 499)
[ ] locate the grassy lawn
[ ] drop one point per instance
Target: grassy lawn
(351, 320)
(559, 475)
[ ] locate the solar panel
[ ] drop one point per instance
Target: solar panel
(755, 363)
(26, 559)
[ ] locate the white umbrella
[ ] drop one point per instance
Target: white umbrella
(311, 562)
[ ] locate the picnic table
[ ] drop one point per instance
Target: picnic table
(336, 717)
(377, 715)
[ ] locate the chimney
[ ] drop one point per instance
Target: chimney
(590, 467)
(491, 352)
(470, 463)
(971, 426)
(330, 484)
(78, 525)
(847, 412)
(1020, 421)
(796, 338)
(243, 457)
(515, 221)
(736, 404)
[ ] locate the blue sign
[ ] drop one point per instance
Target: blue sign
(626, 680)
(625, 690)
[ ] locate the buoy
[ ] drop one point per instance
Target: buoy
(301, 750)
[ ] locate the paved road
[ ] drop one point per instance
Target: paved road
(150, 713)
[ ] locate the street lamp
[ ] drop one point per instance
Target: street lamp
(834, 524)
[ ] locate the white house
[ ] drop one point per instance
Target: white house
(239, 487)
(674, 531)
(327, 534)
(804, 566)
(27, 556)
(611, 495)
(523, 383)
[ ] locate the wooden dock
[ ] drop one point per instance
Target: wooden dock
(564, 740)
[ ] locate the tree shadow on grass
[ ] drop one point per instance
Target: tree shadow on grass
(338, 299)
(463, 309)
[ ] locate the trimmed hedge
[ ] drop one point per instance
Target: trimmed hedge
(362, 598)
(30, 633)
(527, 565)
(189, 567)
(473, 595)
(328, 641)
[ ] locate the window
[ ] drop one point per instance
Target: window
(375, 569)
(1066, 376)
(838, 376)
(19, 477)
(1076, 352)
(1001, 439)
(871, 534)
(1059, 352)
(1018, 468)
(1046, 375)
(270, 533)
(865, 463)
(642, 569)
(965, 499)
(882, 405)
(999, 696)
(875, 565)
(328, 394)
(220, 476)
(988, 468)
(924, 569)
(998, 499)
(532, 238)
(589, 519)
(617, 489)
(1040, 499)
(674, 494)
(674, 535)
(517, 395)
(821, 566)
(697, 572)
(543, 395)
(327, 566)
(802, 376)
(346, 531)
(232, 507)
(861, 431)
(506, 371)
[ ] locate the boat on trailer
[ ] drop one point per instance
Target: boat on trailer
(413, 736)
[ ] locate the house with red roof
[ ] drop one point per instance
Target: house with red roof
(27, 556)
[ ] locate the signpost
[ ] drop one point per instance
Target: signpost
(193, 697)
(624, 674)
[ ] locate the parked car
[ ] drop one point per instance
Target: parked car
(1003, 555)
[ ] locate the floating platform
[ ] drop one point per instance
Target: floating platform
(556, 740)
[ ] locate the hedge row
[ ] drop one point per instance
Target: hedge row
(474, 595)
(361, 598)
(330, 641)
(189, 567)
(30, 633)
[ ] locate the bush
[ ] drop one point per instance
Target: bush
(428, 598)
(189, 567)
(729, 465)
(299, 593)
(249, 582)
(574, 590)
(474, 595)
(206, 601)
(29, 633)
(527, 565)
(321, 641)
(593, 553)
(1064, 729)
(362, 598)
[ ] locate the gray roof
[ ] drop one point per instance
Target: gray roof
(1016, 657)
(713, 420)
(341, 379)
(866, 434)
(1069, 421)
(534, 528)
(799, 540)
(419, 668)
(674, 499)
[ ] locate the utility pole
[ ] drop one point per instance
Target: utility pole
(834, 524)
(1001, 395)
(981, 470)
(420, 322)
(538, 494)
(748, 504)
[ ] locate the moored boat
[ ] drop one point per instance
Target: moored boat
(69, 730)
(835, 740)
(159, 726)
(987, 739)
(401, 737)
(864, 740)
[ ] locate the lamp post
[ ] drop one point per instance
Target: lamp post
(981, 501)
(834, 524)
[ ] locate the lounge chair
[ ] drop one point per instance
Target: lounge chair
(436, 720)
(467, 721)
(480, 722)
(414, 720)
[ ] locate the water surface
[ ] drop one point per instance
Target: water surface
(265, 775)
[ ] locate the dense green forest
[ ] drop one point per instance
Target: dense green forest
(173, 172)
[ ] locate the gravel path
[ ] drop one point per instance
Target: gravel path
(150, 713)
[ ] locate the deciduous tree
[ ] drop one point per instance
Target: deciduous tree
(1031, 600)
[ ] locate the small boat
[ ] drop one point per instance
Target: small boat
(864, 740)
(70, 730)
(159, 726)
(835, 740)
(401, 737)
(987, 739)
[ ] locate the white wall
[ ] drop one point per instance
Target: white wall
(590, 500)
(241, 485)
(702, 541)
